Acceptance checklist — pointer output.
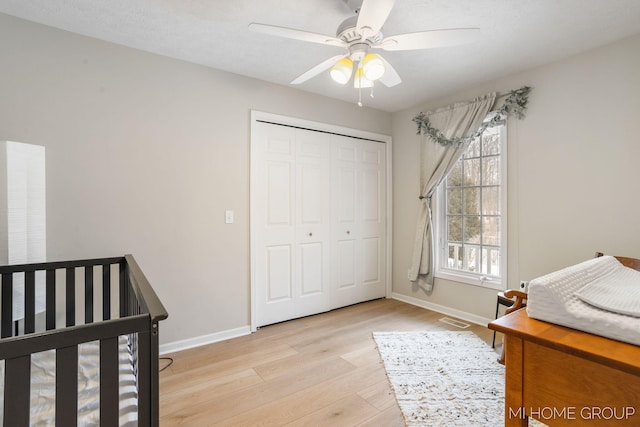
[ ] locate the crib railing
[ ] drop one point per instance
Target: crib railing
(127, 305)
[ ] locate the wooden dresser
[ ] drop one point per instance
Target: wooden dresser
(562, 376)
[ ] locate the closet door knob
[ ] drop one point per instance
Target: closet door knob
(348, 232)
(310, 234)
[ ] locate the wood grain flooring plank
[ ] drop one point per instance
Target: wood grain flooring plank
(205, 390)
(379, 395)
(234, 403)
(345, 412)
(391, 417)
(309, 400)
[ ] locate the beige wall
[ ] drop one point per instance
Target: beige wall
(573, 172)
(144, 155)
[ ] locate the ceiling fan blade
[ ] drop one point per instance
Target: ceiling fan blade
(390, 77)
(324, 65)
(429, 39)
(372, 15)
(291, 33)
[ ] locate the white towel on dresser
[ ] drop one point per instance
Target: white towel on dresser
(553, 298)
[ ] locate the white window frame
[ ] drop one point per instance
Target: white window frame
(439, 221)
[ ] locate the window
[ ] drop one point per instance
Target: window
(472, 213)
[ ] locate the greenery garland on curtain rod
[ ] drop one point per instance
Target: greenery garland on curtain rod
(514, 105)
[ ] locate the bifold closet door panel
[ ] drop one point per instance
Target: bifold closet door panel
(373, 219)
(358, 226)
(345, 227)
(274, 237)
(291, 238)
(313, 221)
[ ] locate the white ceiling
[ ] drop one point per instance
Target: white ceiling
(515, 35)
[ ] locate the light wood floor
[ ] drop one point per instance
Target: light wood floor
(321, 370)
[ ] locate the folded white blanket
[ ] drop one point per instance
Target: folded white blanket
(618, 291)
(554, 298)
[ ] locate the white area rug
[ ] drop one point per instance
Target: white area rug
(444, 378)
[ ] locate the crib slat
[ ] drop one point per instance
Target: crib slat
(51, 299)
(147, 405)
(17, 384)
(71, 297)
(30, 302)
(123, 289)
(109, 382)
(7, 305)
(88, 294)
(106, 291)
(67, 386)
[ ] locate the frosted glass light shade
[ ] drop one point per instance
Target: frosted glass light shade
(341, 71)
(360, 80)
(373, 66)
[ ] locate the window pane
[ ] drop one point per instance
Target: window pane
(455, 256)
(474, 149)
(454, 179)
(472, 229)
(471, 172)
(491, 261)
(491, 142)
(491, 201)
(491, 230)
(454, 201)
(454, 228)
(472, 201)
(491, 170)
(471, 258)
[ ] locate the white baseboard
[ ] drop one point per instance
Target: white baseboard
(204, 340)
(463, 315)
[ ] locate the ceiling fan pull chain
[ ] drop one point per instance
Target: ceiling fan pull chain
(360, 96)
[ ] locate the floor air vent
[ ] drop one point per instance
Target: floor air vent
(454, 322)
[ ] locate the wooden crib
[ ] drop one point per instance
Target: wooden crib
(68, 306)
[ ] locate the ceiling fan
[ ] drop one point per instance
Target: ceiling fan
(360, 35)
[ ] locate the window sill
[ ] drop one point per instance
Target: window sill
(470, 279)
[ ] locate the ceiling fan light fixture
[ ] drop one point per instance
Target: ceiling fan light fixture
(342, 70)
(360, 80)
(361, 33)
(372, 66)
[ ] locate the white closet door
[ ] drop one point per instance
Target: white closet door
(292, 230)
(358, 227)
(313, 221)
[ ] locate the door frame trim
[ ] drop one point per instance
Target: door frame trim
(260, 116)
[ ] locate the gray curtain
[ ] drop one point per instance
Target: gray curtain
(456, 121)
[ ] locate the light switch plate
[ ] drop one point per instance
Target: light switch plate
(228, 217)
